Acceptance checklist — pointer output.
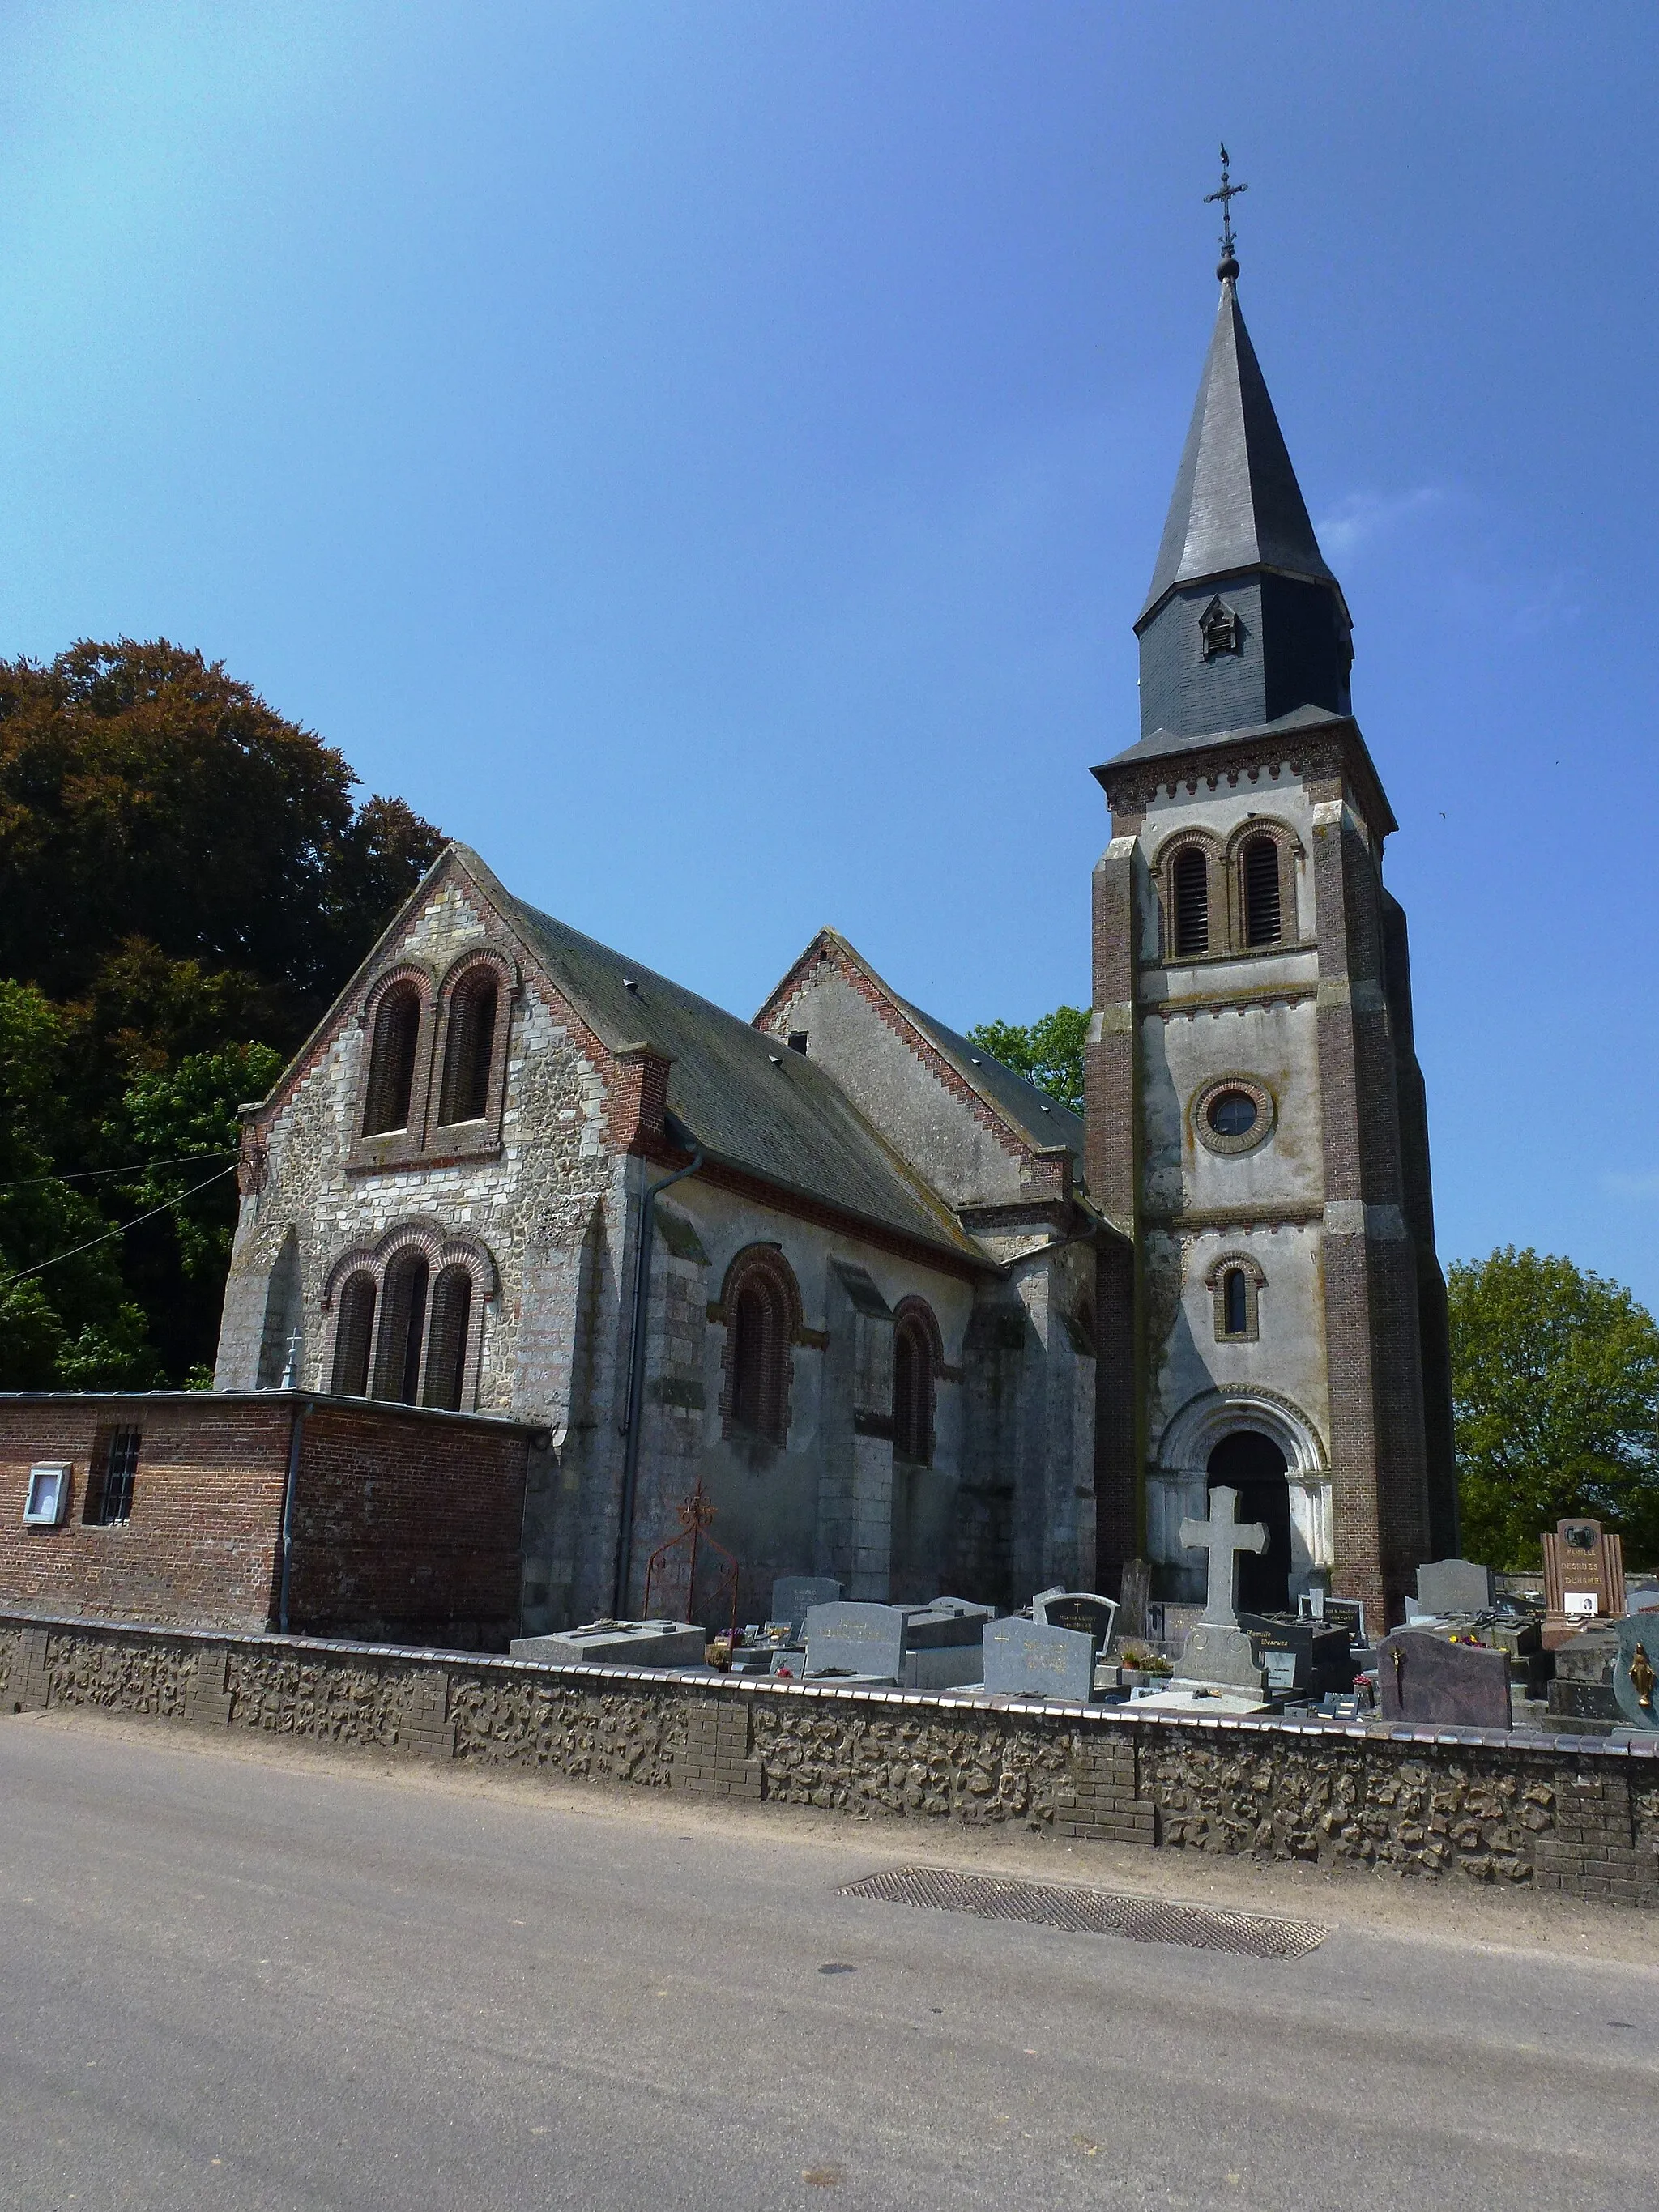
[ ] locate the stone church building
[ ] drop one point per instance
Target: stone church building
(911, 1323)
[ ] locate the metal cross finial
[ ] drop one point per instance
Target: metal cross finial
(1227, 193)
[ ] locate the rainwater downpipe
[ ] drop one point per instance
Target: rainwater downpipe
(633, 1419)
(295, 1435)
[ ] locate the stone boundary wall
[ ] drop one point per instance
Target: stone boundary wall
(1574, 1815)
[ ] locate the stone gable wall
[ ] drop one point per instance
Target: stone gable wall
(1565, 1815)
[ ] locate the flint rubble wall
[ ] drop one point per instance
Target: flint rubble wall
(1575, 1815)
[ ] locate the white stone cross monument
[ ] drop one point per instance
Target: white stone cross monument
(1223, 1539)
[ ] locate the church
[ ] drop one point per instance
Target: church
(908, 1321)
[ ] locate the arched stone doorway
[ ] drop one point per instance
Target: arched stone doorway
(1254, 1466)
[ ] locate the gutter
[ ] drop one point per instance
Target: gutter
(295, 1436)
(633, 1419)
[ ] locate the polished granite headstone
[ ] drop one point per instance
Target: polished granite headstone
(793, 1594)
(851, 1636)
(1424, 1678)
(617, 1644)
(1446, 1586)
(1085, 1611)
(1029, 1658)
(1302, 1655)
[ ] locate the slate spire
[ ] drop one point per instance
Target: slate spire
(1244, 621)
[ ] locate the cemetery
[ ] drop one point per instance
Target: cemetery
(1503, 1734)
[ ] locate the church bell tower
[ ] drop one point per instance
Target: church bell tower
(1256, 1115)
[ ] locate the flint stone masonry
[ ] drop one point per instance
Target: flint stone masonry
(1570, 1814)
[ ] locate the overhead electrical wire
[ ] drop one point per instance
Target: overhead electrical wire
(121, 1229)
(134, 1167)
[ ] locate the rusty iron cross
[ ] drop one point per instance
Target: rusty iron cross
(1226, 192)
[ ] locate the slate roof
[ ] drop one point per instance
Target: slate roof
(749, 1100)
(1040, 1119)
(1236, 502)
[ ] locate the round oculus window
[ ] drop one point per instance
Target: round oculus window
(1233, 1114)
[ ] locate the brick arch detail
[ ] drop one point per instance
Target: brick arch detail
(767, 1262)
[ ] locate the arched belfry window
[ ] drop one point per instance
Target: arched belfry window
(762, 1313)
(915, 1364)
(1262, 897)
(353, 1336)
(391, 1060)
(470, 1047)
(1189, 901)
(1235, 1302)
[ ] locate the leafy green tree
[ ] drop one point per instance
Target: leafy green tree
(184, 870)
(184, 1118)
(1048, 1051)
(1555, 1394)
(68, 1324)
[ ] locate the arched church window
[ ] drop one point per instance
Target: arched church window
(1263, 919)
(1236, 1281)
(447, 1347)
(913, 1361)
(1234, 1301)
(402, 1330)
(353, 1336)
(391, 1060)
(470, 1051)
(1190, 884)
(762, 1313)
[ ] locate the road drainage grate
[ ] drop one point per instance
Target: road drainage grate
(1092, 1911)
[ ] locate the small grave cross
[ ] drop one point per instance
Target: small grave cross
(1223, 1539)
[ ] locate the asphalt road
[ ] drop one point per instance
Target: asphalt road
(247, 1979)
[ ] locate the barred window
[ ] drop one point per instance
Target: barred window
(469, 1054)
(391, 1062)
(115, 1464)
(1190, 892)
(446, 1353)
(353, 1337)
(1263, 917)
(912, 1389)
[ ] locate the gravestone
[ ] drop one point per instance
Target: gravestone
(1446, 1586)
(1134, 1589)
(1581, 1691)
(617, 1644)
(1635, 1671)
(1213, 1652)
(942, 1644)
(1223, 1539)
(1424, 1678)
(1028, 1658)
(1642, 1597)
(793, 1594)
(853, 1637)
(1217, 1650)
(1298, 1654)
(1085, 1611)
(1584, 1577)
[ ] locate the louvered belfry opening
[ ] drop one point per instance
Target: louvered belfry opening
(353, 1337)
(391, 1064)
(470, 1050)
(1191, 882)
(1263, 920)
(760, 1352)
(445, 1356)
(402, 1330)
(913, 1391)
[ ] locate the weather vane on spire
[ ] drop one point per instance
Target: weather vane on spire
(1227, 193)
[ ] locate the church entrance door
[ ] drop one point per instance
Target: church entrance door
(1254, 1466)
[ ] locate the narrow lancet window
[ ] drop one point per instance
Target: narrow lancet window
(403, 1330)
(446, 1357)
(353, 1336)
(470, 1053)
(392, 1063)
(1236, 1303)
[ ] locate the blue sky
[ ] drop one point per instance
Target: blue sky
(709, 457)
